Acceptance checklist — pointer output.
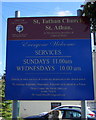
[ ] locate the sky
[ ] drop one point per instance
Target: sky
(31, 8)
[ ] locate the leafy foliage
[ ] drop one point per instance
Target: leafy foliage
(89, 10)
(5, 105)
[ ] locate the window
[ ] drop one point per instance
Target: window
(72, 114)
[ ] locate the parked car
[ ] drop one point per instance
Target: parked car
(61, 114)
(77, 107)
(94, 112)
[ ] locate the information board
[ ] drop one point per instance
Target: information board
(49, 58)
